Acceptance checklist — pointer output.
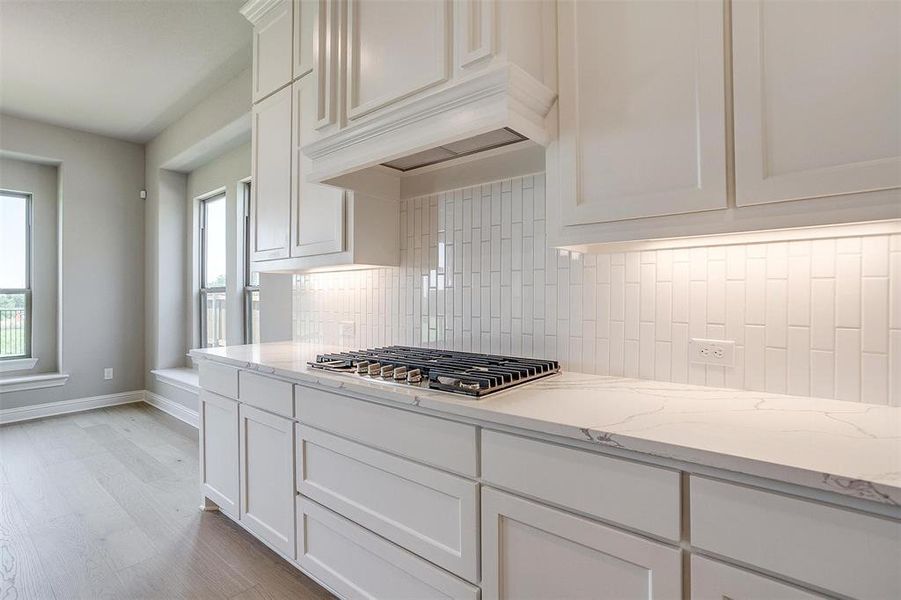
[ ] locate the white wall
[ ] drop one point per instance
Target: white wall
(225, 173)
(101, 223)
(40, 180)
(812, 318)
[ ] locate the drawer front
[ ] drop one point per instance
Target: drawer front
(634, 495)
(218, 378)
(437, 442)
(429, 512)
(839, 550)
(713, 580)
(357, 563)
(530, 550)
(267, 393)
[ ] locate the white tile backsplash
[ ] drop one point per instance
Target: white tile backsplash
(817, 318)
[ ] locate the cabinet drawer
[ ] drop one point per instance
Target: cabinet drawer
(713, 580)
(267, 393)
(839, 550)
(437, 442)
(429, 512)
(530, 550)
(357, 563)
(631, 494)
(219, 378)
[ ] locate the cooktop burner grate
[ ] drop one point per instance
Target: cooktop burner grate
(448, 370)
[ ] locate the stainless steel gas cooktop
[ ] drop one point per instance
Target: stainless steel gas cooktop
(447, 370)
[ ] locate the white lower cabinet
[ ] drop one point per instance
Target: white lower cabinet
(530, 550)
(219, 451)
(356, 563)
(267, 477)
(713, 580)
(426, 511)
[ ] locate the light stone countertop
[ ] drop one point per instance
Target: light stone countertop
(848, 448)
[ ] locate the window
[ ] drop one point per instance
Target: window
(212, 271)
(15, 275)
(251, 282)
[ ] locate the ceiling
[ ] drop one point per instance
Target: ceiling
(122, 68)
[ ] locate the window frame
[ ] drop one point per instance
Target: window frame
(249, 288)
(204, 291)
(29, 224)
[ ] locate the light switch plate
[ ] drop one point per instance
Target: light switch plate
(712, 352)
(108, 373)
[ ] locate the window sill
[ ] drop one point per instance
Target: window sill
(33, 382)
(184, 378)
(17, 364)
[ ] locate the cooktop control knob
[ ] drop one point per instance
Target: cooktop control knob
(375, 369)
(414, 376)
(362, 367)
(400, 374)
(387, 372)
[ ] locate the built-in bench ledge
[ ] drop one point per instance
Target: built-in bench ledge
(32, 382)
(183, 378)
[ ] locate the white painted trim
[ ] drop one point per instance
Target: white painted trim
(174, 409)
(48, 409)
(178, 378)
(253, 10)
(32, 382)
(17, 364)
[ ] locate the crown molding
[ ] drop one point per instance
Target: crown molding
(253, 10)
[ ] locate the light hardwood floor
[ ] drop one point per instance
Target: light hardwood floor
(104, 504)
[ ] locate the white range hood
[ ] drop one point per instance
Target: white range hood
(481, 79)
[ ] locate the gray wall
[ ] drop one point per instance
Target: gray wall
(40, 180)
(101, 224)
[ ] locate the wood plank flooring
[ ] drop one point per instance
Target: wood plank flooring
(104, 504)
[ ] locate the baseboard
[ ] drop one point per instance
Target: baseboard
(175, 409)
(49, 409)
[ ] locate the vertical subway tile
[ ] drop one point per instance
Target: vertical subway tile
(633, 267)
(663, 310)
(735, 311)
(735, 262)
(874, 256)
(697, 317)
(822, 258)
(755, 290)
(664, 265)
(895, 290)
(681, 291)
(874, 318)
(662, 361)
(847, 290)
(847, 364)
(679, 352)
(716, 292)
(631, 310)
(798, 382)
(874, 378)
(776, 304)
(822, 374)
(799, 290)
(647, 350)
(647, 292)
(755, 358)
(617, 348)
(631, 358)
(822, 314)
(894, 362)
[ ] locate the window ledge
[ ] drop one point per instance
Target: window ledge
(183, 378)
(17, 364)
(33, 382)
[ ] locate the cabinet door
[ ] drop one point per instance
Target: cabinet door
(305, 23)
(273, 44)
(219, 451)
(271, 168)
(318, 219)
(267, 477)
(712, 580)
(534, 551)
(817, 89)
(396, 48)
(641, 109)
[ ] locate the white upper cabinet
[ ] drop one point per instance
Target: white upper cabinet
(271, 168)
(817, 98)
(319, 224)
(306, 16)
(641, 109)
(395, 48)
(273, 60)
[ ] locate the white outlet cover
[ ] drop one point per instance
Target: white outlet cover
(108, 373)
(712, 352)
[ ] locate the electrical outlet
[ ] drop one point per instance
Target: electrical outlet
(108, 373)
(712, 352)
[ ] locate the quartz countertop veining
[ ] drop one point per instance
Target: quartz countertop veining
(848, 448)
